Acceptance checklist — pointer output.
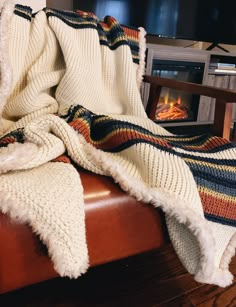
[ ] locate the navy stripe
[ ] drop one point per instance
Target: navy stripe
(21, 14)
(104, 128)
(113, 46)
(215, 177)
(219, 188)
(136, 61)
(226, 162)
(220, 220)
(70, 14)
(133, 46)
(112, 33)
(25, 8)
(74, 25)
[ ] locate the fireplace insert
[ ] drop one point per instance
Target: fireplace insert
(175, 105)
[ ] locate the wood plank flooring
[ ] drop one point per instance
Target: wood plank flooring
(149, 280)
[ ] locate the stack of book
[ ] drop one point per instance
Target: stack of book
(228, 68)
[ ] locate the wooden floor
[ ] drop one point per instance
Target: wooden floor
(148, 280)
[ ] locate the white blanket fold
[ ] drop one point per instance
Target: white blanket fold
(51, 210)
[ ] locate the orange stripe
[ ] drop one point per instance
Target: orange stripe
(134, 34)
(211, 143)
(115, 138)
(62, 158)
(218, 206)
(9, 140)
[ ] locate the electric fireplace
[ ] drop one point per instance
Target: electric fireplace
(175, 105)
(176, 108)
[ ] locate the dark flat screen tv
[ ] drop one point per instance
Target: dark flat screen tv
(211, 21)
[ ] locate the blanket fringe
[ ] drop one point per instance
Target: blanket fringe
(142, 50)
(229, 253)
(15, 155)
(7, 10)
(5, 66)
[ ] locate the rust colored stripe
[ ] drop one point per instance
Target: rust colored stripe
(218, 206)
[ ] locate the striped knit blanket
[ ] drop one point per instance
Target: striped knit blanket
(73, 99)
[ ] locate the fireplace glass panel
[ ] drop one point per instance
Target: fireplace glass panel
(175, 105)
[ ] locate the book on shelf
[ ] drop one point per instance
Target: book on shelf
(226, 65)
(205, 101)
(220, 64)
(223, 67)
(226, 70)
(232, 82)
(232, 86)
(221, 82)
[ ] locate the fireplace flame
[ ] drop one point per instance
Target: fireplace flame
(171, 110)
(166, 99)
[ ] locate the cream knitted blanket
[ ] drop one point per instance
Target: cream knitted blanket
(53, 63)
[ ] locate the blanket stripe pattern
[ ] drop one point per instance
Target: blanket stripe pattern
(215, 178)
(111, 33)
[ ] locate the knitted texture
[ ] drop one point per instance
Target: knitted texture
(212, 164)
(75, 96)
(52, 212)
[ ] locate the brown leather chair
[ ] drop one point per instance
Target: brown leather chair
(117, 225)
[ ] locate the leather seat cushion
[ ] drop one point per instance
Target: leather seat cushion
(117, 226)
